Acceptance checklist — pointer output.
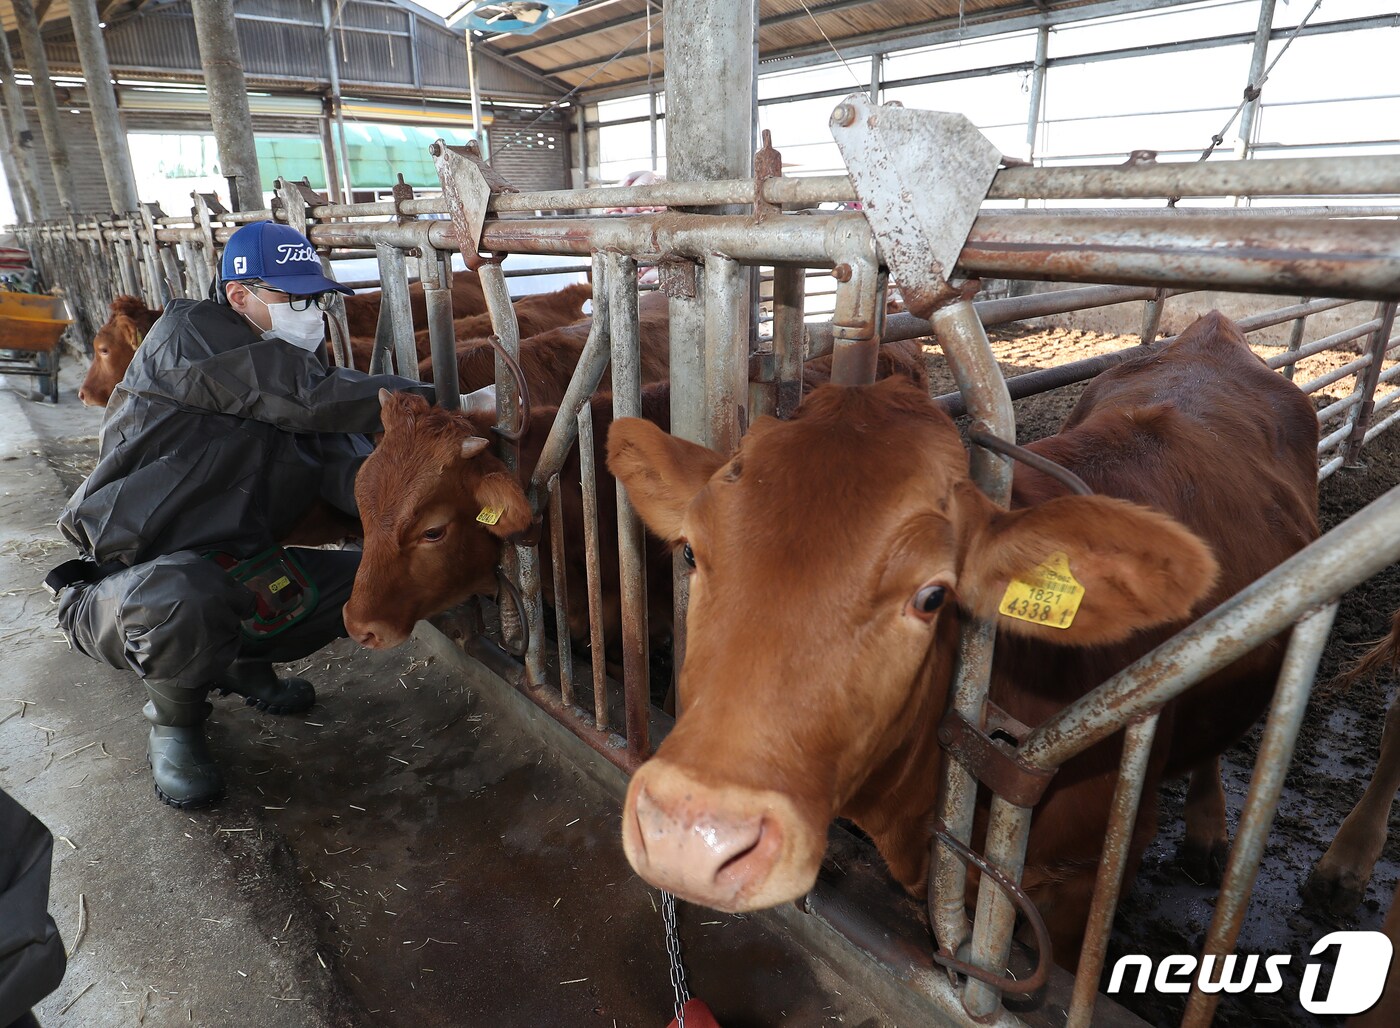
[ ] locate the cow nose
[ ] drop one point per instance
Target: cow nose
(702, 846)
(84, 397)
(372, 635)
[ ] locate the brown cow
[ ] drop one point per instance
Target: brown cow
(417, 476)
(1338, 882)
(820, 647)
(114, 345)
(426, 549)
(535, 313)
(114, 348)
(548, 358)
(362, 309)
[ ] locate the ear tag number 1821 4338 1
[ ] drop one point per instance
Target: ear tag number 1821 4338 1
(1048, 594)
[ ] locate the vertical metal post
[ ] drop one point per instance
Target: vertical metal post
(1256, 72)
(337, 108)
(1366, 384)
(228, 101)
(709, 135)
(877, 72)
(631, 541)
(477, 132)
(1295, 341)
(561, 592)
(328, 155)
(297, 199)
(581, 130)
(592, 548)
(1132, 769)
(18, 196)
(1275, 754)
(727, 350)
(969, 355)
(1152, 318)
(32, 43)
(651, 119)
(21, 139)
(1037, 100)
(435, 272)
(858, 320)
(395, 315)
(107, 121)
(789, 285)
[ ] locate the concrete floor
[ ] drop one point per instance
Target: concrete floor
(412, 851)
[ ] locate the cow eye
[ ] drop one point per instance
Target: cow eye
(688, 554)
(927, 600)
(434, 535)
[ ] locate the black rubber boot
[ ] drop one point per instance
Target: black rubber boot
(181, 764)
(260, 687)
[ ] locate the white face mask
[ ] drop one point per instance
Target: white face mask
(304, 329)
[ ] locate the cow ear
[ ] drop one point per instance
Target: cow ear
(661, 473)
(1078, 570)
(504, 508)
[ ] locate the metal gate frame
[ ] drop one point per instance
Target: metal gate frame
(1140, 256)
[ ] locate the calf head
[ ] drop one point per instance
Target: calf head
(435, 504)
(833, 556)
(114, 348)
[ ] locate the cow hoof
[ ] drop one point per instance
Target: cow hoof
(1204, 864)
(1337, 892)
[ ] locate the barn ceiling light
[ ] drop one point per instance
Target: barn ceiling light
(519, 17)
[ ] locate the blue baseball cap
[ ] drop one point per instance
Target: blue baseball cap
(278, 255)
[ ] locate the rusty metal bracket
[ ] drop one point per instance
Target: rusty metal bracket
(767, 164)
(992, 761)
(677, 277)
(467, 185)
(403, 192)
(297, 199)
(1022, 902)
(921, 177)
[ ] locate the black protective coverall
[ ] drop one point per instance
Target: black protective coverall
(216, 440)
(32, 961)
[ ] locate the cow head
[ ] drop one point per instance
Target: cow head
(435, 505)
(833, 556)
(114, 348)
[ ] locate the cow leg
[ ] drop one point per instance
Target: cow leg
(1207, 843)
(1340, 878)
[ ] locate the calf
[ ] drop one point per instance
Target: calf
(114, 348)
(421, 495)
(835, 557)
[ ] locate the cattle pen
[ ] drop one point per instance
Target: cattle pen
(736, 243)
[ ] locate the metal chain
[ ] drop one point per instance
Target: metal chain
(673, 950)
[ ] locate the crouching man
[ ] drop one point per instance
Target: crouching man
(227, 429)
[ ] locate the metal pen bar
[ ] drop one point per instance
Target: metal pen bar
(394, 332)
(726, 353)
(1326, 343)
(588, 373)
(788, 299)
(1270, 766)
(563, 645)
(1324, 472)
(508, 391)
(1008, 833)
(1336, 410)
(1108, 884)
(592, 549)
(1366, 384)
(1380, 427)
(984, 390)
(631, 542)
(1295, 342)
(1350, 553)
(1337, 374)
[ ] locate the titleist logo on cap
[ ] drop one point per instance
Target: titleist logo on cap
(287, 252)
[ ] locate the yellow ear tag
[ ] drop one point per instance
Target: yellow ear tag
(1047, 595)
(490, 515)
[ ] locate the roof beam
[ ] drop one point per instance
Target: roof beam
(588, 30)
